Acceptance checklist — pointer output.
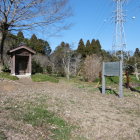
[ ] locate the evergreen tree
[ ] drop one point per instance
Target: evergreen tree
(81, 48)
(88, 44)
(87, 49)
(20, 35)
(47, 48)
(137, 58)
(20, 38)
(33, 41)
(40, 45)
(137, 53)
(93, 47)
(98, 45)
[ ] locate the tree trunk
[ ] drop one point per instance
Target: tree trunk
(75, 68)
(136, 72)
(68, 68)
(127, 79)
(2, 40)
(68, 71)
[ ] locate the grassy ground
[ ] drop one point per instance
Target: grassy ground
(7, 76)
(133, 79)
(112, 85)
(39, 116)
(68, 110)
(43, 78)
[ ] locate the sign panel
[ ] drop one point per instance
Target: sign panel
(112, 68)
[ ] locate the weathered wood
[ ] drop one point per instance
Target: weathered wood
(127, 79)
(21, 60)
(121, 80)
(113, 69)
(30, 63)
(103, 79)
(13, 68)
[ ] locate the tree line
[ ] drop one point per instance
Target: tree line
(17, 15)
(85, 61)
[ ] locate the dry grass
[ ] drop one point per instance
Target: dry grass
(94, 116)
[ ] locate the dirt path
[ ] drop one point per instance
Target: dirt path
(97, 117)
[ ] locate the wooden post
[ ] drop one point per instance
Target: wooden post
(13, 65)
(121, 80)
(127, 80)
(30, 63)
(100, 77)
(103, 80)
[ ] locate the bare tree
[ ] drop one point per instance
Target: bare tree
(92, 67)
(77, 64)
(61, 60)
(18, 15)
(43, 60)
(66, 62)
(136, 70)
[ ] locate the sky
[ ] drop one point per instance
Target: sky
(94, 19)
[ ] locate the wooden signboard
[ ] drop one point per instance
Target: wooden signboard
(113, 69)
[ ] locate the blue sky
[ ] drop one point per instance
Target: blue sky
(93, 19)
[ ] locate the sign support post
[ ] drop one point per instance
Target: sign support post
(103, 79)
(113, 69)
(121, 81)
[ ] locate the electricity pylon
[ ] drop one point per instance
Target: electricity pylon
(119, 40)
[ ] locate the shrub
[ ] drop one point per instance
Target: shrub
(91, 68)
(6, 68)
(130, 69)
(49, 69)
(36, 67)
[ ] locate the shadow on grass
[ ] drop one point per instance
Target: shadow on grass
(133, 89)
(109, 91)
(112, 80)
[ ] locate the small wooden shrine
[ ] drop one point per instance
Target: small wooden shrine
(21, 60)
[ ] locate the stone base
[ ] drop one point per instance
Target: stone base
(22, 76)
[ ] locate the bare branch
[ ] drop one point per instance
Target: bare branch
(28, 14)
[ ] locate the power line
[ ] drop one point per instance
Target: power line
(103, 17)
